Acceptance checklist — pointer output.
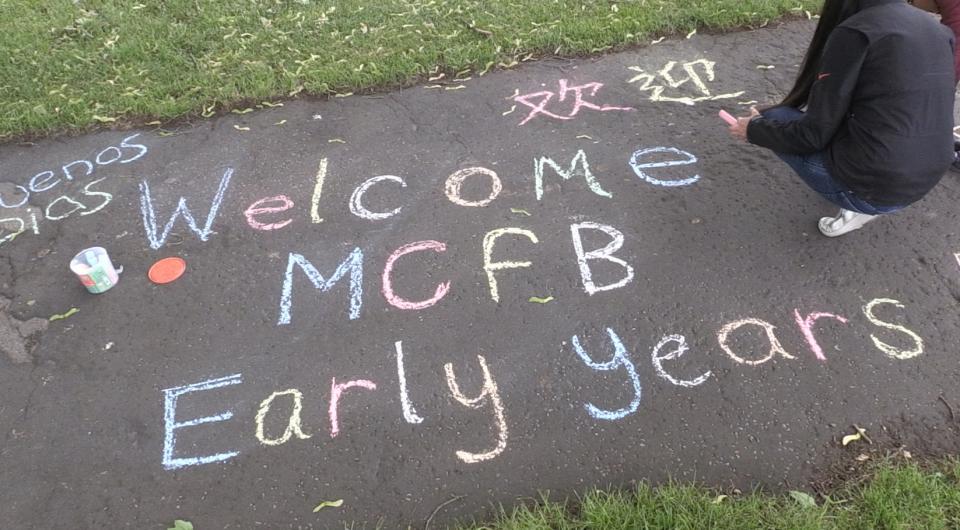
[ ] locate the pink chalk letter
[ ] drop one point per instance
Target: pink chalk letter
(335, 391)
(806, 326)
(538, 101)
(263, 207)
(402, 303)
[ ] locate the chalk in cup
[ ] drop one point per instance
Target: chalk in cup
(95, 270)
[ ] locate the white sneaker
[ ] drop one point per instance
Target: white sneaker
(845, 221)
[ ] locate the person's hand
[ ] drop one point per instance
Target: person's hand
(739, 129)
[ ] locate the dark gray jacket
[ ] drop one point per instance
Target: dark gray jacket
(882, 106)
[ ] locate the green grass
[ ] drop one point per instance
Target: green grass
(895, 497)
(69, 64)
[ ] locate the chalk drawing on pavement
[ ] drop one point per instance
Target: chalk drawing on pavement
(567, 100)
(693, 80)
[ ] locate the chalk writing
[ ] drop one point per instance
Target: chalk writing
(63, 206)
(5, 225)
(356, 200)
(490, 266)
(892, 351)
(455, 182)
(690, 75)
(681, 348)
(538, 101)
(605, 253)
(293, 421)
(639, 167)
(409, 413)
(48, 213)
(578, 167)
(336, 389)
(170, 397)
(263, 206)
(775, 347)
(47, 180)
(806, 327)
(402, 303)
(352, 264)
(618, 361)
(26, 197)
(318, 192)
(150, 217)
(488, 392)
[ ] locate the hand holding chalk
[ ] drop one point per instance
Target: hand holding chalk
(725, 116)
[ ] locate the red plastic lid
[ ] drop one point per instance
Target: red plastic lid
(167, 270)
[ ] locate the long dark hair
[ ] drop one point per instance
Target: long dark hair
(834, 12)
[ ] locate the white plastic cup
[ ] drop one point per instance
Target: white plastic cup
(95, 270)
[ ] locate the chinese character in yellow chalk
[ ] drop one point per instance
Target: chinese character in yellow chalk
(691, 75)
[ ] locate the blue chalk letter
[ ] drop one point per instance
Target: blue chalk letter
(619, 359)
(150, 217)
(638, 167)
(353, 264)
(170, 396)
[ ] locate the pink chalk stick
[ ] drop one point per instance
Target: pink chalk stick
(725, 116)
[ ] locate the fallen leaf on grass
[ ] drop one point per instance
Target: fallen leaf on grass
(103, 119)
(153, 123)
(538, 300)
(239, 128)
(719, 499)
(803, 499)
(61, 316)
(331, 504)
(181, 525)
(520, 211)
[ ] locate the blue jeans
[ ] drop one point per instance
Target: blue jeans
(813, 170)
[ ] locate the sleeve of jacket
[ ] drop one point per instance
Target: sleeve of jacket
(828, 104)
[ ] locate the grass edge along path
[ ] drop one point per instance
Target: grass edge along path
(70, 65)
(893, 495)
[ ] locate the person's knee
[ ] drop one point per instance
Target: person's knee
(782, 114)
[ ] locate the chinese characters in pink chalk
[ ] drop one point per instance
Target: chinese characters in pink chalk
(568, 99)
